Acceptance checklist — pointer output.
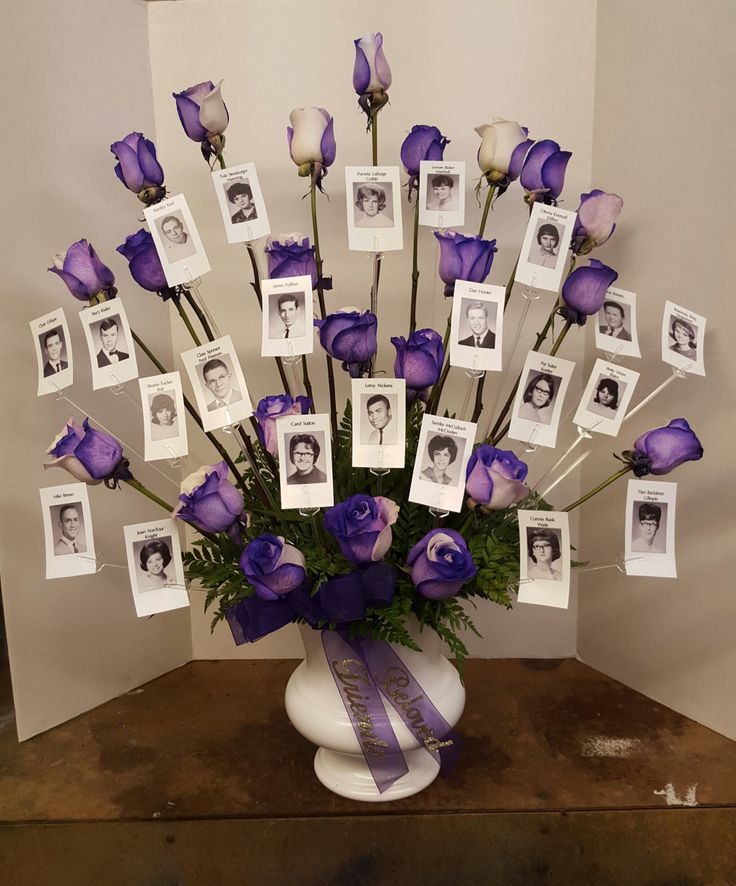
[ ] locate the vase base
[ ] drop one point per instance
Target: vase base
(349, 776)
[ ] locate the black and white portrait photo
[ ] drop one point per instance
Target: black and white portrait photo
(177, 240)
(53, 352)
(649, 527)
(544, 552)
(286, 315)
(164, 423)
(613, 322)
(373, 205)
(373, 208)
(379, 422)
(67, 531)
(164, 415)
(155, 567)
(53, 345)
(538, 397)
(682, 339)
(615, 327)
(218, 382)
(544, 558)
(545, 250)
(607, 395)
(442, 193)
(477, 326)
(240, 197)
(443, 451)
(241, 203)
(535, 417)
(304, 455)
(69, 523)
(479, 323)
(109, 342)
(545, 247)
(606, 398)
(305, 461)
(287, 329)
(113, 347)
(381, 426)
(152, 558)
(441, 454)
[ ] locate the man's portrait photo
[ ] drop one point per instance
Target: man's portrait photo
(304, 453)
(477, 321)
(68, 525)
(380, 429)
(240, 198)
(112, 341)
(612, 320)
(649, 527)
(217, 378)
(286, 318)
(177, 243)
(53, 349)
(544, 250)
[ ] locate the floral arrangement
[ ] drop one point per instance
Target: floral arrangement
(373, 559)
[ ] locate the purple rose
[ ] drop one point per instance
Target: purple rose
(419, 360)
(362, 526)
(440, 563)
(89, 455)
(143, 261)
(494, 477)
(83, 272)
(311, 138)
(271, 408)
(585, 289)
(596, 220)
(504, 145)
(291, 256)
(661, 450)
(273, 567)
(543, 172)
(138, 169)
(371, 73)
(464, 257)
(422, 143)
(349, 336)
(209, 500)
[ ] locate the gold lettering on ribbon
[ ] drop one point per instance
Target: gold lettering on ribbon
(394, 681)
(349, 679)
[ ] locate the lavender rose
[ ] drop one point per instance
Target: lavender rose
(362, 526)
(419, 360)
(291, 255)
(464, 257)
(543, 172)
(272, 566)
(504, 145)
(596, 220)
(138, 169)
(144, 264)
(86, 277)
(89, 455)
(349, 335)
(584, 291)
(661, 450)
(422, 143)
(209, 500)
(311, 138)
(371, 73)
(271, 408)
(494, 478)
(204, 116)
(440, 564)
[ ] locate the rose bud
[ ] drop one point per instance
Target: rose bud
(362, 526)
(543, 172)
(440, 564)
(464, 257)
(585, 289)
(349, 335)
(419, 360)
(144, 264)
(273, 567)
(84, 274)
(494, 478)
(208, 500)
(89, 455)
(371, 73)
(138, 169)
(661, 450)
(204, 116)
(271, 408)
(311, 138)
(504, 145)
(596, 220)
(422, 143)
(290, 255)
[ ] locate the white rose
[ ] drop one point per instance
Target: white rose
(308, 125)
(499, 141)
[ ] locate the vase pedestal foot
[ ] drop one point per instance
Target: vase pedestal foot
(349, 776)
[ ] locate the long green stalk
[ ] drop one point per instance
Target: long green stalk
(598, 488)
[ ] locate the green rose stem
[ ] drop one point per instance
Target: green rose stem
(249, 452)
(322, 309)
(186, 321)
(144, 490)
(598, 488)
(510, 284)
(414, 270)
(307, 381)
(269, 459)
(486, 208)
(199, 312)
(193, 412)
(374, 135)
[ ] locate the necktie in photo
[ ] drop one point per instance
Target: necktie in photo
(380, 436)
(477, 341)
(75, 548)
(286, 334)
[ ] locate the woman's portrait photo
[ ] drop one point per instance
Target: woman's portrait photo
(442, 193)
(442, 452)
(684, 336)
(373, 205)
(649, 527)
(543, 553)
(607, 395)
(304, 454)
(538, 398)
(152, 556)
(545, 248)
(240, 201)
(163, 416)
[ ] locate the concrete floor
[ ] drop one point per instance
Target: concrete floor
(198, 777)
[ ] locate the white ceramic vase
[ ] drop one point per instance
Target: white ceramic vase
(316, 710)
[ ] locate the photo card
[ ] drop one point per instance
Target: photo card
(543, 256)
(443, 453)
(606, 398)
(544, 558)
(650, 528)
(305, 461)
(287, 317)
(538, 404)
(218, 383)
(177, 240)
(241, 202)
(477, 326)
(53, 347)
(442, 193)
(164, 418)
(683, 332)
(379, 422)
(374, 208)
(110, 344)
(155, 567)
(67, 528)
(615, 326)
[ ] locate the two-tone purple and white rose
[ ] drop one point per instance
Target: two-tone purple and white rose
(463, 257)
(661, 450)
(291, 255)
(595, 221)
(440, 564)
(272, 566)
(371, 73)
(362, 526)
(311, 139)
(585, 289)
(89, 455)
(504, 145)
(204, 116)
(419, 360)
(270, 409)
(349, 335)
(422, 143)
(209, 500)
(495, 478)
(138, 168)
(85, 276)
(543, 173)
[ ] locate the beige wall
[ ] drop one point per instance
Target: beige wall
(664, 126)
(77, 78)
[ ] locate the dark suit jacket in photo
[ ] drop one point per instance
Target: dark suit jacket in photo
(47, 370)
(240, 216)
(487, 341)
(623, 334)
(103, 360)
